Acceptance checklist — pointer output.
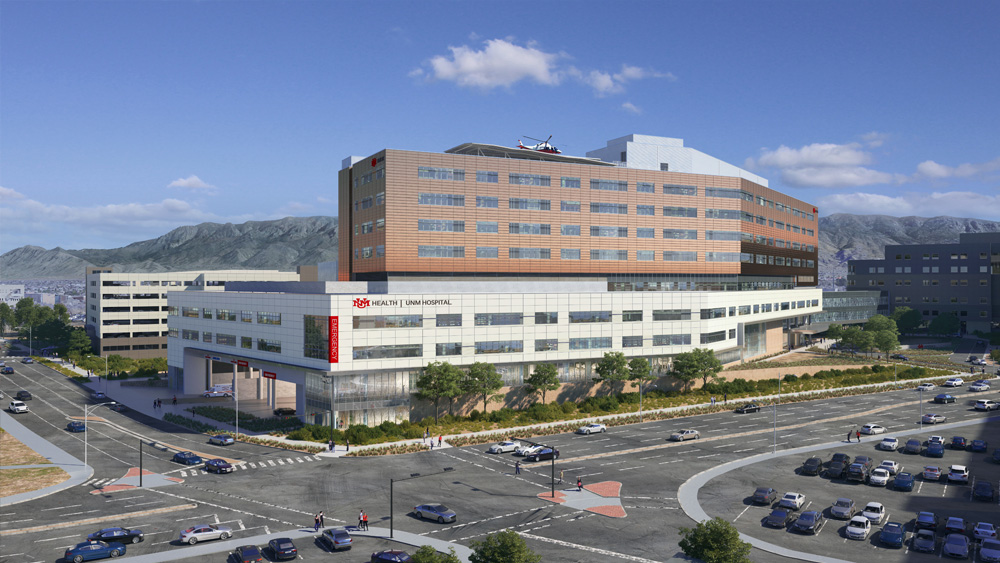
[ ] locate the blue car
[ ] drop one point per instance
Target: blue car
(903, 482)
(89, 550)
(892, 534)
(979, 446)
(935, 449)
(76, 426)
(187, 458)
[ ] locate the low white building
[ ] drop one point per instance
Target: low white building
(11, 293)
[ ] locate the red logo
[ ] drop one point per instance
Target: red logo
(814, 210)
(361, 302)
(374, 161)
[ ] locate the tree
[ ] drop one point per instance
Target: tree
(836, 332)
(886, 341)
(427, 554)
(544, 378)
(439, 380)
(612, 368)
(851, 337)
(61, 313)
(503, 547)
(483, 381)
(639, 371)
(865, 341)
(698, 363)
(78, 342)
(6, 318)
(715, 541)
(120, 364)
(995, 355)
(907, 320)
(24, 311)
(945, 324)
(881, 322)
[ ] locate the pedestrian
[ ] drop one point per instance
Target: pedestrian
(361, 520)
(432, 445)
(331, 445)
(348, 444)
(560, 476)
(427, 434)
(517, 467)
(858, 434)
(154, 404)
(713, 401)
(365, 519)
(322, 524)
(440, 440)
(316, 523)
(175, 400)
(725, 398)
(849, 434)
(579, 483)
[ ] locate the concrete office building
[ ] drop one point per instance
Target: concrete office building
(513, 257)
(127, 312)
(11, 293)
(936, 279)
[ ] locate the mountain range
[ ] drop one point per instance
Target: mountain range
(294, 241)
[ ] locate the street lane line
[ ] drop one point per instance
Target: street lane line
(95, 520)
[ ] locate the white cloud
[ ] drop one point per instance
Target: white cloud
(875, 139)
(826, 165)
(957, 204)
(602, 83)
(933, 170)
(815, 155)
(191, 182)
(631, 108)
(834, 176)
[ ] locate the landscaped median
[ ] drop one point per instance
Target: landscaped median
(14, 480)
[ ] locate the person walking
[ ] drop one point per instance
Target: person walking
(361, 520)
(725, 398)
(154, 404)
(175, 400)
(849, 434)
(440, 440)
(517, 467)
(432, 444)
(364, 519)
(331, 445)
(322, 524)
(560, 476)
(316, 523)
(858, 434)
(579, 483)
(713, 401)
(348, 444)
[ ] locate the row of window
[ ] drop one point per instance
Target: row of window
(263, 317)
(245, 342)
(954, 256)
(157, 283)
(935, 299)
(523, 253)
(926, 283)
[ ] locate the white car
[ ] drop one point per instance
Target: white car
(858, 528)
(893, 467)
(793, 501)
(954, 382)
(879, 477)
(216, 394)
(504, 447)
(682, 435)
(925, 387)
(935, 440)
(987, 405)
(931, 418)
(17, 407)
(888, 444)
(592, 428)
(979, 362)
(977, 387)
(526, 449)
(958, 474)
(875, 513)
(984, 531)
(872, 429)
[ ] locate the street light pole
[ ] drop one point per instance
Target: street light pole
(86, 427)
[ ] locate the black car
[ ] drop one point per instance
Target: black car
(868, 462)
(118, 407)
(983, 490)
(925, 521)
(836, 470)
(958, 443)
(944, 398)
(22, 396)
(912, 447)
(748, 408)
(120, 535)
(248, 554)
(543, 454)
(390, 556)
(284, 411)
(903, 482)
(809, 522)
(858, 472)
(935, 449)
(996, 455)
(218, 465)
(898, 357)
(6, 370)
(843, 458)
(282, 548)
(812, 466)
(764, 495)
(779, 518)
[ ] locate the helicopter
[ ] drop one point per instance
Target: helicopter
(542, 146)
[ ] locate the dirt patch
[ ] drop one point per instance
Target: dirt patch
(797, 357)
(14, 452)
(15, 481)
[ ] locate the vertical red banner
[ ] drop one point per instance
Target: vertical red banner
(334, 338)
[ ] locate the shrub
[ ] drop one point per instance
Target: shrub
(791, 378)
(599, 404)
(475, 415)
(191, 423)
(502, 415)
(568, 407)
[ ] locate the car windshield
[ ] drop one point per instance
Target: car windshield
(857, 524)
(439, 508)
(762, 491)
(285, 545)
(843, 503)
(955, 539)
(807, 518)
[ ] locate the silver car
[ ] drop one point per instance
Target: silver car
(504, 447)
(204, 532)
(682, 435)
(438, 512)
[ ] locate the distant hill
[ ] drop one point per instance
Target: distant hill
(844, 237)
(263, 245)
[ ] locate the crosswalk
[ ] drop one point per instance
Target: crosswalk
(98, 483)
(248, 465)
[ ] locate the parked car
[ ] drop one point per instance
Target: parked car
(390, 556)
(748, 408)
(187, 458)
(892, 534)
(958, 474)
(935, 449)
(888, 444)
(90, 550)
(931, 418)
(989, 551)
(592, 428)
(924, 541)
(944, 398)
(17, 407)
(954, 382)
(218, 465)
(438, 512)
(504, 447)
(812, 466)
(893, 467)
(925, 521)
(857, 472)
(955, 525)
(222, 440)
(120, 535)
(779, 518)
(526, 449)
(978, 446)
(935, 440)
(843, 508)
(76, 426)
(868, 462)
(793, 501)
(903, 482)
(836, 470)
(284, 411)
(872, 429)
(955, 546)
(809, 522)
(932, 473)
(987, 405)
(984, 531)
(764, 495)
(283, 548)
(858, 528)
(204, 532)
(912, 447)
(925, 387)
(337, 539)
(682, 435)
(212, 393)
(22, 395)
(898, 357)
(248, 554)
(958, 443)
(876, 512)
(979, 387)
(983, 490)
(879, 477)
(843, 458)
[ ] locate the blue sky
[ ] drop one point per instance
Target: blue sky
(122, 120)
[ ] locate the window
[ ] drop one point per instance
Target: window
(189, 334)
(546, 345)
(676, 256)
(645, 187)
(569, 253)
(680, 211)
(609, 185)
(606, 254)
(438, 225)
(645, 232)
(672, 315)
(731, 214)
(590, 317)
(380, 197)
(612, 232)
(674, 189)
(449, 320)
(191, 312)
(430, 251)
(528, 180)
(645, 210)
(632, 342)
(723, 235)
(430, 173)
(486, 227)
(316, 342)
(589, 343)
(631, 316)
(487, 201)
(744, 310)
(528, 228)
(546, 318)
(569, 206)
(645, 255)
(264, 318)
(499, 319)
(710, 337)
(530, 204)
(529, 253)
(500, 347)
(487, 252)
(722, 256)
(388, 351)
(486, 177)
(268, 345)
(686, 234)
(614, 208)
(566, 182)
(246, 342)
(569, 230)
(714, 313)
(225, 314)
(451, 200)
(727, 193)
(448, 349)
(388, 321)
(671, 339)
(379, 224)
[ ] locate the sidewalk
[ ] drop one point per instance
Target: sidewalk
(78, 472)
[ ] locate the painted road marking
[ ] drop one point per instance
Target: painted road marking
(96, 520)
(586, 548)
